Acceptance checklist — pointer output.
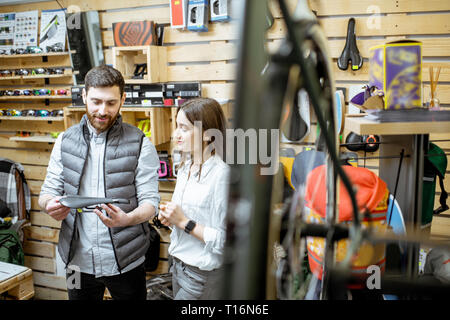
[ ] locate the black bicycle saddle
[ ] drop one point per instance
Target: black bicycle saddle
(350, 51)
(76, 202)
(139, 71)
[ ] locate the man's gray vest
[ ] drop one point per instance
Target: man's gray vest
(123, 146)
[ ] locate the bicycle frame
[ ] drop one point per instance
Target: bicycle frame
(249, 198)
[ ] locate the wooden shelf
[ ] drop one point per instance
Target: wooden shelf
(33, 139)
(125, 59)
(137, 109)
(32, 55)
(167, 179)
(126, 109)
(32, 118)
(32, 82)
(40, 76)
(75, 109)
(136, 81)
(10, 98)
(162, 119)
(364, 126)
(123, 108)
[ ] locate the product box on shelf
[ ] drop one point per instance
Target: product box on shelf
(184, 90)
(144, 94)
(77, 98)
(178, 13)
(177, 93)
(220, 10)
(198, 15)
(396, 68)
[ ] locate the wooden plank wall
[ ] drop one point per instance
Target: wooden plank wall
(211, 58)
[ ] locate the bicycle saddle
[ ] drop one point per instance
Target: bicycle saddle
(350, 51)
(139, 71)
(76, 202)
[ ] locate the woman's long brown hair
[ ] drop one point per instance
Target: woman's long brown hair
(210, 113)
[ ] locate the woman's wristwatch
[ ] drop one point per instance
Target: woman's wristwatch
(189, 226)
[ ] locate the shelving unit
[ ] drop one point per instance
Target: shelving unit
(155, 57)
(412, 138)
(38, 125)
(161, 119)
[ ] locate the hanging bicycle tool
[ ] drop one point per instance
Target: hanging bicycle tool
(350, 52)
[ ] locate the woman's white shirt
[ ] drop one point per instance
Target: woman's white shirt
(205, 202)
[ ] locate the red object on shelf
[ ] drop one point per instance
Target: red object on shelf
(168, 102)
(178, 13)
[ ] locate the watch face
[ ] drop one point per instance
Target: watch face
(190, 226)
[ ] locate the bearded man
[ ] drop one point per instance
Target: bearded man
(103, 157)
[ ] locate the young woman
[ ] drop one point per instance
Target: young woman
(199, 202)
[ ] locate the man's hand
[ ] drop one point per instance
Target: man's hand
(172, 214)
(117, 218)
(56, 210)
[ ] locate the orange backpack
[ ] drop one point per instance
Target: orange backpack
(372, 194)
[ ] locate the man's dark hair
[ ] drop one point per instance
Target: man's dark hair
(104, 76)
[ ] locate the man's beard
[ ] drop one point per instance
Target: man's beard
(100, 127)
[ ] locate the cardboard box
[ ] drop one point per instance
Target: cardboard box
(220, 10)
(396, 68)
(198, 15)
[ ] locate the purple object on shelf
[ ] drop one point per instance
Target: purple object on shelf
(358, 99)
